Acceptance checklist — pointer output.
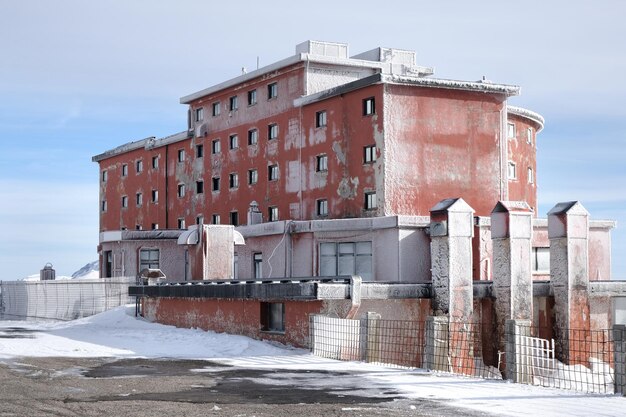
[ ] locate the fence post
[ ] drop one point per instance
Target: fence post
(619, 358)
(372, 353)
(437, 347)
(516, 359)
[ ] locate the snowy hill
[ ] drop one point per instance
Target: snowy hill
(91, 270)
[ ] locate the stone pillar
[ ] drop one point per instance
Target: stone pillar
(517, 361)
(568, 231)
(372, 350)
(451, 231)
(511, 233)
(437, 347)
(619, 358)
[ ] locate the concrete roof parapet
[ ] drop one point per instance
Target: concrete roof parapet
(568, 219)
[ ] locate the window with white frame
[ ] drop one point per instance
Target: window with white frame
(531, 176)
(233, 103)
(199, 114)
(272, 91)
(139, 199)
(139, 166)
(124, 201)
(272, 317)
(370, 200)
(181, 155)
(199, 151)
(346, 258)
(251, 97)
(215, 219)
(272, 172)
(529, 135)
(321, 163)
(257, 265)
(233, 180)
(155, 196)
(124, 170)
(512, 171)
(199, 219)
(148, 259)
(233, 141)
(215, 108)
(105, 176)
(272, 131)
(510, 129)
(369, 107)
(138, 227)
(541, 260)
(181, 190)
(155, 162)
(181, 223)
(253, 176)
(322, 207)
(253, 137)
(320, 118)
(272, 213)
(104, 205)
(155, 226)
(369, 154)
(216, 147)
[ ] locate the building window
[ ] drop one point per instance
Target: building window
(181, 223)
(272, 172)
(273, 317)
(199, 187)
(199, 151)
(233, 141)
(216, 184)
(512, 171)
(155, 162)
(321, 163)
(234, 218)
(138, 227)
(155, 226)
(369, 154)
(541, 260)
(200, 219)
(139, 166)
(139, 199)
(322, 207)
(105, 176)
(236, 266)
(104, 205)
(272, 131)
(251, 97)
(272, 213)
(257, 265)
(370, 200)
(181, 190)
(124, 170)
(320, 118)
(233, 180)
(155, 196)
(369, 106)
(272, 91)
(253, 176)
(148, 259)
(531, 176)
(253, 137)
(529, 135)
(216, 147)
(510, 130)
(199, 114)
(124, 201)
(346, 258)
(215, 219)
(232, 103)
(181, 155)
(215, 109)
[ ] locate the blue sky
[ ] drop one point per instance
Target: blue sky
(78, 78)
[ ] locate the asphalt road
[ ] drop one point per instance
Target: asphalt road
(143, 387)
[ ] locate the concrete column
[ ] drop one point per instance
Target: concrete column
(216, 256)
(451, 231)
(619, 358)
(437, 348)
(568, 231)
(373, 353)
(511, 233)
(517, 365)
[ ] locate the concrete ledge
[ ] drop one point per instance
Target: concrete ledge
(608, 288)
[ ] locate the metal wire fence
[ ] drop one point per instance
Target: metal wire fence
(579, 360)
(63, 299)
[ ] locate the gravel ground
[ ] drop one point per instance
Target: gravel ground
(143, 387)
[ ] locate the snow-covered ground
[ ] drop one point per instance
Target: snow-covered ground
(117, 333)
